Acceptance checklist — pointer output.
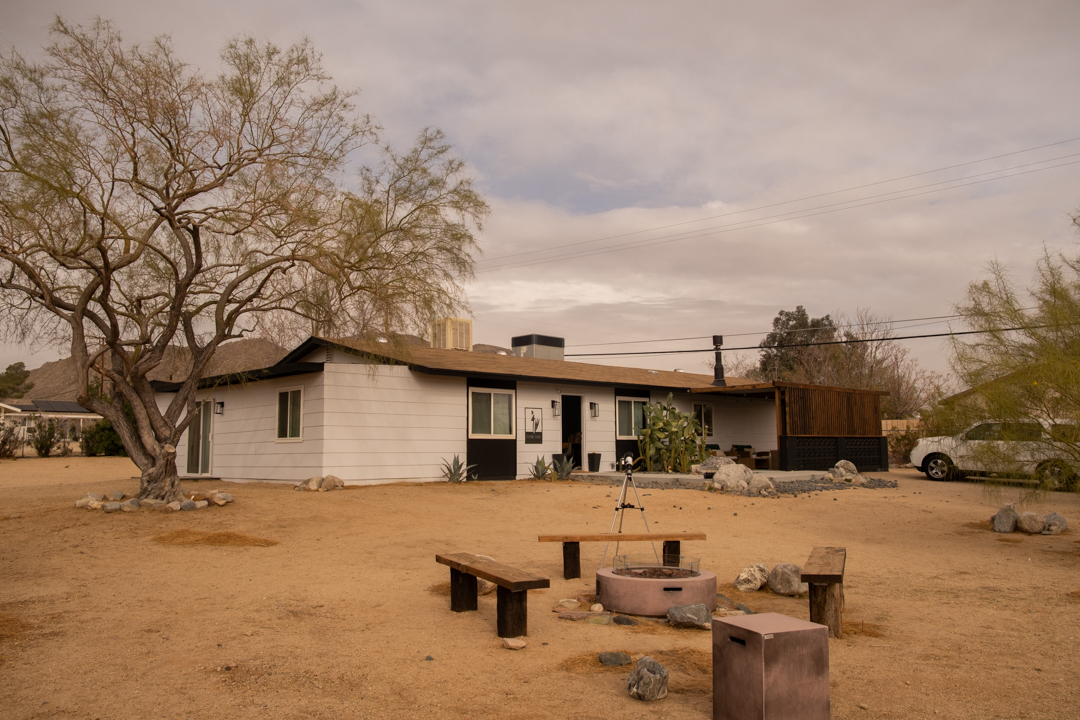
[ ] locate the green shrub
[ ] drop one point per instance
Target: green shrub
(46, 436)
(101, 439)
(9, 440)
(901, 444)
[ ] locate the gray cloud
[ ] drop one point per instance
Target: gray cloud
(588, 120)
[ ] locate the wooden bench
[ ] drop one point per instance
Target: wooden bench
(571, 549)
(513, 620)
(824, 572)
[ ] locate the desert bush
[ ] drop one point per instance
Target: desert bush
(46, 436)
(101, 439)
(9, 440)
(901, 444)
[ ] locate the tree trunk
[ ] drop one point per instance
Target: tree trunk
(160, 481)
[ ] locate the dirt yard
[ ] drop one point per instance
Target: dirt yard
(327, 605)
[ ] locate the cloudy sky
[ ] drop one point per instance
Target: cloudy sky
(683, 169)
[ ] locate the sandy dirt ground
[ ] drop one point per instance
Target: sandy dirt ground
(99, 618)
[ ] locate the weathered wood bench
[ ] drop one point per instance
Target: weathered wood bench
(513, 620)
(571, 548)
(824, 572)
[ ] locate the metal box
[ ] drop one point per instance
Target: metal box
(770, 667)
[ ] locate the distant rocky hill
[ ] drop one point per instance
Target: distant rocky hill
(57, 380)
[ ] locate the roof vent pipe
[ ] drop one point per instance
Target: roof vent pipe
(718, 367)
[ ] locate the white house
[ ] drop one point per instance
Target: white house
(379, 414)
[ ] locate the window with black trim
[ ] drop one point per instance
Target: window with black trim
(491, 413)
(290, 403)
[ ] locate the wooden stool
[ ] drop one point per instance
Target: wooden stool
(824, 572)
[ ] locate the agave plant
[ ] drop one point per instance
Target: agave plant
(539, 470)
(561, 469)
(456, 471)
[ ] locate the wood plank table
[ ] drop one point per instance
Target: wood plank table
(824, 572)
(572, 545)
(513, 585)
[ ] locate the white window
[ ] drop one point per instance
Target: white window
(491, 413)
(631, 418)
(289, 405)
(703, 413)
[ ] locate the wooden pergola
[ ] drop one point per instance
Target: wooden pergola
(818, 425)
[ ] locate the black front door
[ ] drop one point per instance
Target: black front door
(571, 428)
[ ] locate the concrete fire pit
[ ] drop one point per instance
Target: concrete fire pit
(638, 594)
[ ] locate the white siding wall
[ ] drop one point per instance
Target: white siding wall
(388, 423)
(744, 421)
(600, 431)
(244, 441)
(539, 396)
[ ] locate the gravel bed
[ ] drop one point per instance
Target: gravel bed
(798, 487)
(783, 487)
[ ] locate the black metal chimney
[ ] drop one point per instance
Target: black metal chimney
(718, 368)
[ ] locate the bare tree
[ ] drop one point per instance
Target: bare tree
(856, 353)
(144, 205)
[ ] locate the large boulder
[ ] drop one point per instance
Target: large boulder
(1055, 524)
(733, 478)
(690, 616)
(786, 579)
(1031, 523)
(648, 680)
(712, 464)
(752, 578)
(844, 471)
(847, 467)
(760, 485)
(1005, 520)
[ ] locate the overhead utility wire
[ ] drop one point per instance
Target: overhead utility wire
(788, 202)
(766, 332)
(782, 217)
(814, 344)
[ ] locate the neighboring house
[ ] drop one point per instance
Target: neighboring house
(378, 413)
(23, 413)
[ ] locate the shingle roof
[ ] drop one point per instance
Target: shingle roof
(460, 362)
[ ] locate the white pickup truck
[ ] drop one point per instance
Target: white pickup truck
(1031, 448)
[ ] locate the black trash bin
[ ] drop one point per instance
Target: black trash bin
(594, 462)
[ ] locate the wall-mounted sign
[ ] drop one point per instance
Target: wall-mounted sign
(534, 426)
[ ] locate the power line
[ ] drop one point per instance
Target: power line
(814, 344)
(789, 202)
(766, 332)
(784, 217)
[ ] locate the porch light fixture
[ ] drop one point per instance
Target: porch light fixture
(219, 408)
(594, 409)
(554, 408)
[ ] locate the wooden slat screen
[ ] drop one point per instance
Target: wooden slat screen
(831, 413)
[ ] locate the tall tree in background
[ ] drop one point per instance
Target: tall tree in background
(13, 381)
(796, 364)
(861, 355)
(145, 205)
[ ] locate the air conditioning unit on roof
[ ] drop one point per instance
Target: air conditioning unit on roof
(452, 334)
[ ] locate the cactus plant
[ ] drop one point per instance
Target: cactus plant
(670, 440)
